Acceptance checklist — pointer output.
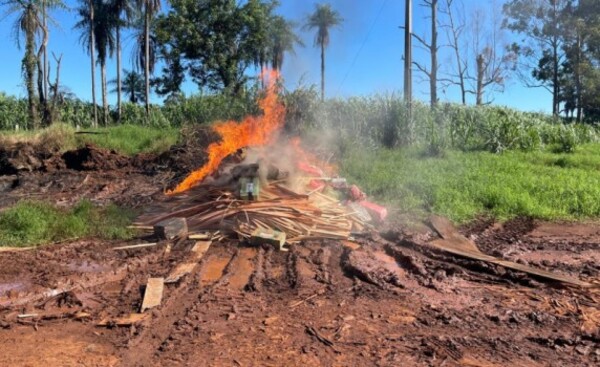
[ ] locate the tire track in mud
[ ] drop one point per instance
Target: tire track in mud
(222, 278)
(155, 335)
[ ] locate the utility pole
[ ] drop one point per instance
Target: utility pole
(408, 56)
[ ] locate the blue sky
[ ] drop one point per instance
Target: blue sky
(364, 57)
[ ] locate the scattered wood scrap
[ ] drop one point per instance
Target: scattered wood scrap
(153, 294)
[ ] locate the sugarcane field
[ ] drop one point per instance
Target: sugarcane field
(222, 207)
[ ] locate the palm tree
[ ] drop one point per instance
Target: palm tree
(132, 85)
(87, 39)
(151, 7)
(102, 21)
(119, 8)
(29, 24)
(322, 20)
(283, 39)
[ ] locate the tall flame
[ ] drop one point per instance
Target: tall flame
(252, 131)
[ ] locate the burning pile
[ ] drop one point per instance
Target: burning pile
(260, 187)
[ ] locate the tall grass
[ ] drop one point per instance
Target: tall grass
(383, 120)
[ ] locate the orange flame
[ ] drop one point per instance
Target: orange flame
(252, 131)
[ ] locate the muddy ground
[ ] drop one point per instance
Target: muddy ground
(387, 300)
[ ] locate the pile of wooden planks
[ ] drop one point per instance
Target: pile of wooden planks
(300, 216)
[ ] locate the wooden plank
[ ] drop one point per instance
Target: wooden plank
(134, 247)
(153, 294)
(180, 271)
(15, 249)
(128, 320)
(449, 246)
(199, 249)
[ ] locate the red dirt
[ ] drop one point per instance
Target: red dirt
(386, 303)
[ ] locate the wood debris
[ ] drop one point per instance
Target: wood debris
(299, 216)
(153, 294)
(455, 243)
(134, 247)
(185, 268)
(128, 320)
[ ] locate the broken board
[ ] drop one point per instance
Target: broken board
(129, 320)
(457, 244)
(153, 294)
(185, 268)
(200, 249)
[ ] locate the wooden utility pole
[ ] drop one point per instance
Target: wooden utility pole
(408, 55)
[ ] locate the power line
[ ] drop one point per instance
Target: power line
(362, 46)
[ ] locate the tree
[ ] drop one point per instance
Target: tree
(88, 41)
(432, 48)
(283, 39)
(542, 25)
(28, 24)
(493, 59)
(120, 8)
(96, 24)
(132, 85)
(458, 72)
(151, 8)
(323, 19)
(214, 42)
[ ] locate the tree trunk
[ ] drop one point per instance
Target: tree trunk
(41, 81)
(480, 75)
(118, 31)
(104, 100)
(93, 63)
(30, 64)
(147, 60)
(555, 85)
(45, 58)
(578, 83)
(322, 71)
(434, 49)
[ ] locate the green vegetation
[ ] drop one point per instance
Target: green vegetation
(381, 120)
(463, 185)
(125, 139)
(34, 223)
(132, 139)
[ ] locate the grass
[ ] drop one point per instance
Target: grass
(31, 223)
(463, 185)
(125, 139)
(133, 139)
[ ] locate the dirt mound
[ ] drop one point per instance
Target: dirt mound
(92, 158)
(183, 158)
(23, 157)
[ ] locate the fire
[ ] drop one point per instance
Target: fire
(252, 131)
